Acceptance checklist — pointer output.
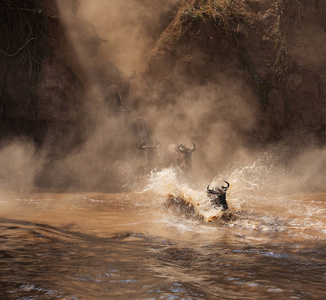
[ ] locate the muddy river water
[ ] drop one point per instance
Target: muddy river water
(132, 246)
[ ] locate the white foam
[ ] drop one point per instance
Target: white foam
(167, 183)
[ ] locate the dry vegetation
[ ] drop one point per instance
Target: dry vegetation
(238, 24)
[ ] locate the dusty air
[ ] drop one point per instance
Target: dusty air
(162, 149)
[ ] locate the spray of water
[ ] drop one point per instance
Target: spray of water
(260, 181)
(167, 185)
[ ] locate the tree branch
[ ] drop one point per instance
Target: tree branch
(18, 49)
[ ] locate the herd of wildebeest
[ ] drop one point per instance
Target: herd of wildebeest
(115, 97)
(178, 156)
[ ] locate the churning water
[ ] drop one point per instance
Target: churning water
(134, 246)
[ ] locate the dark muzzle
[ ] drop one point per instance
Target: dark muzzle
(218, 197)
(219, 201)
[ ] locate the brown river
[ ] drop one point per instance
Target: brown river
(134, 246)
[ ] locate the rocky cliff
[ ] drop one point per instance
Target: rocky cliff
(274, 49)
(41, 96)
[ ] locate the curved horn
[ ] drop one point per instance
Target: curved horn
(208, 190)
(225, 187)
(143, 145)
(194, 147)
(131, 108)
(133, 75)
(180, 148)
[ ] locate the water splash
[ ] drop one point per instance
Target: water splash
(258, 196)
(246, 183)
(263, 177)
(168, 184)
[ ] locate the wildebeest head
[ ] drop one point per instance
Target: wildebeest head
(218, 197)
(184, 159)
(150, 150)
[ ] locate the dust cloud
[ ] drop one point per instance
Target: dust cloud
(118, 36)
(20, 163)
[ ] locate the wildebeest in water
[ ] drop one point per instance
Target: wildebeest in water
(218, 197)
(186, 206)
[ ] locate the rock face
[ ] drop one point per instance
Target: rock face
(274, 49)
(306, 80)
(40, 94)
(44, 85)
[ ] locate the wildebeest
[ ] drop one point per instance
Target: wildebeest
(218, 197)
(188, 207)
(151, 151)
(184, 158)
(113, 84)
(144, 140)
(179, 156)
(113, 98)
